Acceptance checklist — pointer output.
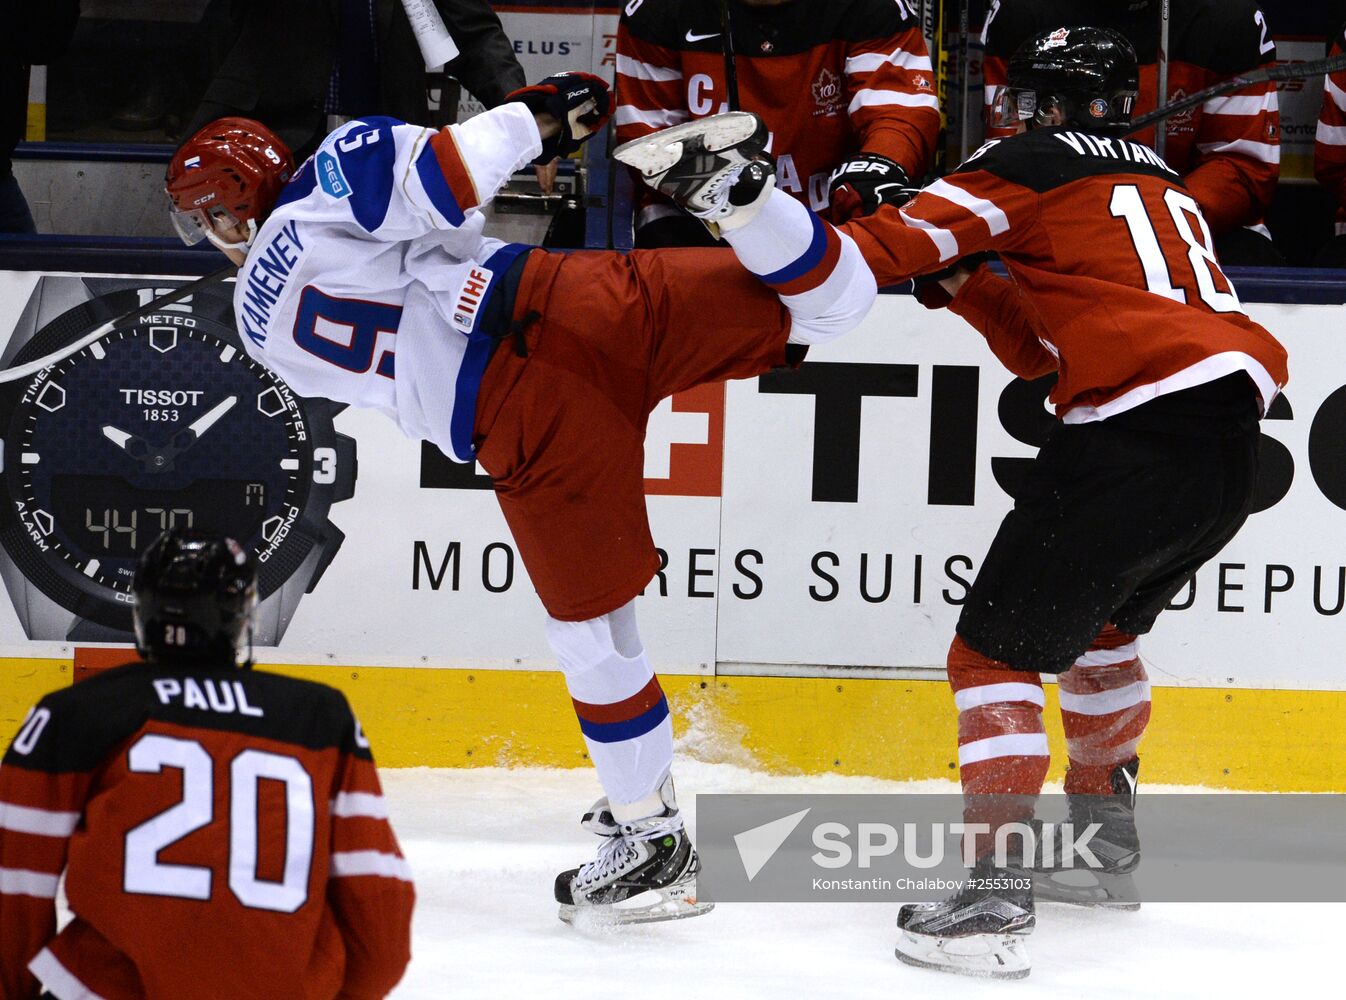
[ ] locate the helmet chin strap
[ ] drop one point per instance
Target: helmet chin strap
(221, 244)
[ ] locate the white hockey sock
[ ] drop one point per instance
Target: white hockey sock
(621, 707)
(817, 271)
(779, 235)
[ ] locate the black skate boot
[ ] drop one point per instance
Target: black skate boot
(1116, 845)
(645, 870)
(715, 167)
(980, 931)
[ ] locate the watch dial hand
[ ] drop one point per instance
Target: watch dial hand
(190, 434)
(134, 446)
(208, 419)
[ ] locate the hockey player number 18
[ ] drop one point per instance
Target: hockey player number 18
(146, 875)
(1127, 204)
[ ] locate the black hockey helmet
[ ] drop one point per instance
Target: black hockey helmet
(1089, 74)
(195, 595)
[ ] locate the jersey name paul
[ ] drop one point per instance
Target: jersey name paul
(207, 695)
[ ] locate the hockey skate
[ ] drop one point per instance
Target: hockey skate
(645, 870)
(1116, 845)
(980, 931)
(715, 167)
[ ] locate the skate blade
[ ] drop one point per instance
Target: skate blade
(652, 906)
(984, 956)
(1085, 888)
(655, 154)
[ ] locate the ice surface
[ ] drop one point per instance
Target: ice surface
(486, 844)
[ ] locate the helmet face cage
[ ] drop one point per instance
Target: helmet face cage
(197, 224)
(1010, 106)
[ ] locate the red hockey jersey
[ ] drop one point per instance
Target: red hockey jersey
(223, 836)
(1329, 153)
(1113, 271)
(830, 78)
(1227, 150)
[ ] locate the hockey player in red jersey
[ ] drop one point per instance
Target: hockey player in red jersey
(846, 88)
(543, 366)
(1162, 378)
(222, 831)
(1227, 150)
(1329, 153)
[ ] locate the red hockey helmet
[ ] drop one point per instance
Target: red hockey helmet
(232, 170)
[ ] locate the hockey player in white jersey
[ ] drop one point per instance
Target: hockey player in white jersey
(365, 277)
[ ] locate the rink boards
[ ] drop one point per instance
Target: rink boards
(818, 530)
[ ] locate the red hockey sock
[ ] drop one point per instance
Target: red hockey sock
(1002, 745)
(1105, 706)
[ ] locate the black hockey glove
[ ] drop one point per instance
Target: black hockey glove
(579, 101)
(864, 182)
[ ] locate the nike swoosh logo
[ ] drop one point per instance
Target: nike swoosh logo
(701, 38)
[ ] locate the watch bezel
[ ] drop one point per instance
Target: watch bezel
(56, 578)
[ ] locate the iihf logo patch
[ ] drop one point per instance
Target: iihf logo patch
(471, 294)
(1098, 108)
(193, 164)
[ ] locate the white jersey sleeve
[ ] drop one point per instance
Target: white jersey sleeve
(367, 283)
(397, 181)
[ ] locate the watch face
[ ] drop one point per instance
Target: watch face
(164, 423)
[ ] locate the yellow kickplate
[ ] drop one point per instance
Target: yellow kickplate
(1252, 740)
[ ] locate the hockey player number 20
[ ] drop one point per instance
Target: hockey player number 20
(1127, 204)
(146, 875)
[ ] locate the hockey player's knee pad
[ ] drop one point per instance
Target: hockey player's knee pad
(602, 658)
(1105, 702)
(1002, 744)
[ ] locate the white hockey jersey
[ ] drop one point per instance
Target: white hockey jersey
(373, 262)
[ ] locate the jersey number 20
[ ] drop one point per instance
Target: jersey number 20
(146, 875)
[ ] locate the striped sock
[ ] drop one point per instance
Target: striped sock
(1105, 707)
(622, 711)
(1002, 744)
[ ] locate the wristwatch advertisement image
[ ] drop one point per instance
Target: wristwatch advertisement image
(164, 422)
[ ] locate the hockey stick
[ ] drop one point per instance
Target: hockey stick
(1285, 71)
(1161, 135)
(176, 295)
(727, 46)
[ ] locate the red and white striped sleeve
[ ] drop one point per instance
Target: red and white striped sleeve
(649, 86)
(955, 217)
(39, 811)
(893, 105)
(1239, 156)
(1329, 151)
(370, 888)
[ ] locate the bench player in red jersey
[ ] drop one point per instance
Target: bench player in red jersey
(222, 831)
(1329, 153)
(845, 86)
(1162, 379)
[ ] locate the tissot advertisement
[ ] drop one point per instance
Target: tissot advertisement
(829, 519)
